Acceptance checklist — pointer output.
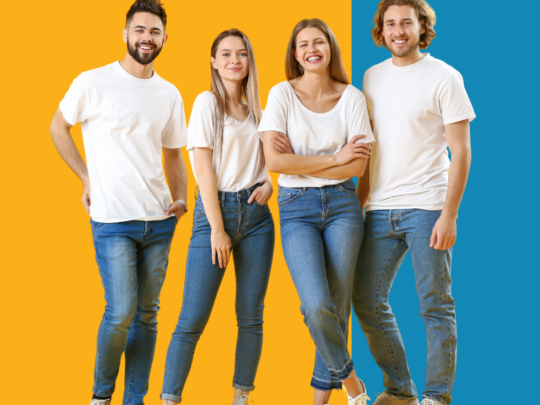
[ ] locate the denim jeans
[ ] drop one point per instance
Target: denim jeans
(132, 258)
(389, 234)
(321, 233)
(251, 229)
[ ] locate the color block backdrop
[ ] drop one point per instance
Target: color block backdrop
(52, 293)
(495, 271)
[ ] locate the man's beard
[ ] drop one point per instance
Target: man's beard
(404, 52)
(143, 59)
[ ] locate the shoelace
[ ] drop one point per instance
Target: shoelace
(380, 396)
(243, 399)
(100, 401)
(428, 401)
(361, 399)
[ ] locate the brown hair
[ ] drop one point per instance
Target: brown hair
(426, 17)
(147, 6)
(293, 69)
(250, 93)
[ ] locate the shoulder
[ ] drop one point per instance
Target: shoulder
(441, 69)
(95, 76)
(378, 68)
(205, 101)
(282, 89)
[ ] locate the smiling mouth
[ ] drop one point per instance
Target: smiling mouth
(314, 59)
(400, 41)
(145, 48)
(235, 69)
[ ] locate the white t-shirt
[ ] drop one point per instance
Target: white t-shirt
(239, 165)
(315, 134)
(409, 107)
(125, 123)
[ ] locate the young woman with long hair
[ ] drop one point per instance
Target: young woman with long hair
(323, 118)
(231, 213)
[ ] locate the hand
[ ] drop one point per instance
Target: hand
(444, 233)
(176, 208)
(283, 144)
(221, 247)
(352, 151)
(262, 194)
(86, 197)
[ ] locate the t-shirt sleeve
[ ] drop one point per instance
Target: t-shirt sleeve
(275, 113)
(75, 104)
(454, 101)
(201, 123)
(358, 118)
(175, 134)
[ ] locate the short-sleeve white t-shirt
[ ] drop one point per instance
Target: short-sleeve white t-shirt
(239, 164)
(409, 107)
(125, 123)
(315, 134)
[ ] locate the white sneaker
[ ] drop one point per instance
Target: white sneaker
(240, 398)
(169, 402)
(360, 399)
(430, 401)
(100, 401)
(386, 399)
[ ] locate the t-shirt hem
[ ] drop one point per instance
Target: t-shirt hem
(372, 207)
(68, 119)
(137, 218)
(174, 146)
(469, 117)
(191, 147)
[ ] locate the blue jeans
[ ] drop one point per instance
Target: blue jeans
(251, 229)
(388, 236)
(321, 233)
(132, 258)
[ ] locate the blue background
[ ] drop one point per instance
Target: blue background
(495, 271)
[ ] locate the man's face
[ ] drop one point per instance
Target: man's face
(401, 30)
(145, 37)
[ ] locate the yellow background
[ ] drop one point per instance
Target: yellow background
(51, 289)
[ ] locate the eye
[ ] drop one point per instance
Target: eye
(303, 45)
(244, 54)
(138, 30)
(155, 32)
(225, 54)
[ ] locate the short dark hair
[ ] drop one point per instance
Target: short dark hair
(147, 6)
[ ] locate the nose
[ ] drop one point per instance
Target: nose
(400, 29)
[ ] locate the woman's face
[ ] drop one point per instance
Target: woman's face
(232, 60)
(313, 50)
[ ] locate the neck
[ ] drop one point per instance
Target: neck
(410, 59)
(234, 91)
(134, 68)
(317, 83)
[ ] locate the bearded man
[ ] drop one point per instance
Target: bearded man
(130, 118)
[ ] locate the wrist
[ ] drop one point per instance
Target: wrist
(449, 216)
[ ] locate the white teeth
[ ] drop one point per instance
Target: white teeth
(314, 58)
(399, 41)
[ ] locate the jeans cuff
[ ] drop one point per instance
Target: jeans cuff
(344, 372)
(103, 394)
(435, 398)
(323, 383)
(243, 387)
(171, 397)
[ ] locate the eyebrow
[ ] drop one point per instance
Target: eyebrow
(142, 26)
(305, 40)
(403, 19)
(228, 50)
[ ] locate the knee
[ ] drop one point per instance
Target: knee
(121, 317)
(250, 318)
(190, 325)
(316, 313)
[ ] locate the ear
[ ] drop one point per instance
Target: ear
(125, 34)
(295, 54)
(165, 37)
(422, 27)
(212, 60)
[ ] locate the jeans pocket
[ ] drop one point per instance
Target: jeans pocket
(199, 208)
(286, 194)
(347, 186)
(96, 225)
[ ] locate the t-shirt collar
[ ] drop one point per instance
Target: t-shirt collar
(409, 68)
(118, 67)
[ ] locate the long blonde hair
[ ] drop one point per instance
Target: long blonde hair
(294, 69)
(250, 93)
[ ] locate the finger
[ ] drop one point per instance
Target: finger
(280, 149)
(280, 136)
(433, 239)
(361, 156)
(220, 259)
(440, 242)
(277, 142)
(356, 138)
(213, 256)
(228, 255)
(252, 197)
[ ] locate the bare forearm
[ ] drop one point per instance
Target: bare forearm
(207, 182)
(175, 171)
(362, 190)
(354, 168)
(61, 136)
(457, 181)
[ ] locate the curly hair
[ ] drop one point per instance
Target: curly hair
(426, 17)
(147, 6)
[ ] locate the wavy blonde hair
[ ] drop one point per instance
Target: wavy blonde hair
(294, 69)
(250, 94)
(426, 17)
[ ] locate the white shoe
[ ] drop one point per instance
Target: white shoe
(169, 402)
(241, 399)
(430, 401)
(100, 401)
(360, 399)
(386, 399)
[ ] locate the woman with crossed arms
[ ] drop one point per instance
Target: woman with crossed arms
(231, 212)
(323, 117)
